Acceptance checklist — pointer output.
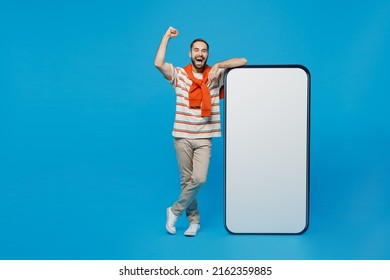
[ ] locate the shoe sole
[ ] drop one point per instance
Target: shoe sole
(192, 234)
(170, 231)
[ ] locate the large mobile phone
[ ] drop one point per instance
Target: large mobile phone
(267, 149)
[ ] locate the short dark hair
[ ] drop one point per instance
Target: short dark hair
(199, 40)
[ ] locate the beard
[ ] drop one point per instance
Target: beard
(199, 64)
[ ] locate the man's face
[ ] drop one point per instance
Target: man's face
(199, 55)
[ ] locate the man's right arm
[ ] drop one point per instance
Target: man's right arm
(164, 67)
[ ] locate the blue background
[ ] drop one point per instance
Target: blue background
(86, 155)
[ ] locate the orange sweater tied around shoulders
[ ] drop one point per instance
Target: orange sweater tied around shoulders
(199, 94)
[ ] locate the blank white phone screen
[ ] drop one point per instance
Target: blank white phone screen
(267, 149)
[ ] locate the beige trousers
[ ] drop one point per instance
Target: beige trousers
(193, 156)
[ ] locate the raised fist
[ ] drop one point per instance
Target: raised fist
(172, 32)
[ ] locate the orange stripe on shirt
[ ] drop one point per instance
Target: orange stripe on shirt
(192, 123)
(197, 132)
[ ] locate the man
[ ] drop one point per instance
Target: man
(197, 120)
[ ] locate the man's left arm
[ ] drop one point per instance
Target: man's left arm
(220, 67)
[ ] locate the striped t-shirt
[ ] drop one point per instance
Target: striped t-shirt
(188, 121)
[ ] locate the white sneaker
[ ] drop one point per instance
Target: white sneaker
(171, 221)
(192, 230)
